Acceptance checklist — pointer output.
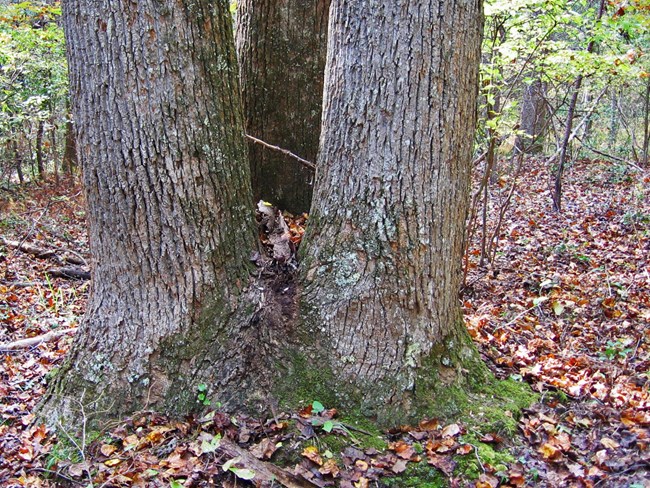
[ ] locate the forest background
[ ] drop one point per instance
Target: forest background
(559, 299)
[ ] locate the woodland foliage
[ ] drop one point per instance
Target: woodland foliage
(558, 300)
(33, 89)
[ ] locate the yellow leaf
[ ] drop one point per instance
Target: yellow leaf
(550, 452)
(609, 443)
(112, 462)
(107, 449)
(311, 453)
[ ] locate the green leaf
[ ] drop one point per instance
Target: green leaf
(208, 446)
(558, 308)
(317, 407)
(539, 300)
(228, 464)
(328, 426)
(245, 474)
(175, 484)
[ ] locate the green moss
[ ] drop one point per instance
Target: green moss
(501, 404)
(305, 380)
(69, 448)
(365, 432)
(419, 475)
(334, 443)
(469, 466)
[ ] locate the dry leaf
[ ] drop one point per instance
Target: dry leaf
(311, 453)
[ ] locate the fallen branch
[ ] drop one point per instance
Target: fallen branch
(43, 253)
(263, 471)
(304, 162)
(31, 341)
(70, 273)
(28, 248)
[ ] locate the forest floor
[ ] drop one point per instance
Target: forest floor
(564, 305)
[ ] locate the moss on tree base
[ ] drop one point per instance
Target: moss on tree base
(452, 384)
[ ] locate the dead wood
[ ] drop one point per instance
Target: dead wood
(70, 273)
(286, 152)
(28, 248)
(43, 253)
(264, 472)
(31, 341)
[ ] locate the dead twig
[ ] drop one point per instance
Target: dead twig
(286, 152)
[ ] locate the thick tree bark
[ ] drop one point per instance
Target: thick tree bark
(382, 259)
(281, 46)
(160, 133)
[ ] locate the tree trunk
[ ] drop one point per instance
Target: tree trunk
(281, 46)
(18, 160)
(39, 150)
(613, 118)
(160, 130)
(646, 124)
(382, 258)
(69, 162)
(557, 187)
(534, 117)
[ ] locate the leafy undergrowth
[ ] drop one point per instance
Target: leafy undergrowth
(564, 306)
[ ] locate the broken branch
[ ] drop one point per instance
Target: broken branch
(31, 341)
(304, 162)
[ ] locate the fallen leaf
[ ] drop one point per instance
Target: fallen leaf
(609, 443)
(107, 449)
(487, 481)
(330, 467)
(311, 453)
(550, 452)
(451, 430)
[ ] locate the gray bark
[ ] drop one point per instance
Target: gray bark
(281, 45)
(159, 129)
(534, 118)
(382, 259)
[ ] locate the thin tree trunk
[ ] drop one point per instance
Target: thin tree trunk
(557, 189)
(160, 130)
(613, 119)
(53, 151)
(281, 45)
(69, 161)
(568, 127)
(382, 257)
(586, 129)
(18, 162)
(39, 150)
(646, 124)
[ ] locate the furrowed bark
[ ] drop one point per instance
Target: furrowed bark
(160, 137)
(382, 255)
(281, 45)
